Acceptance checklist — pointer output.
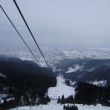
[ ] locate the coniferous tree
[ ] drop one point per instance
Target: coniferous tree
(59, 100)
(62, 99)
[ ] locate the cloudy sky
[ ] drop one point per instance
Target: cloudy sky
(65, 23)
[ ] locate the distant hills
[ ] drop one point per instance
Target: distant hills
(85, 69)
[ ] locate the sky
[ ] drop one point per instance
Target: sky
(59, 23)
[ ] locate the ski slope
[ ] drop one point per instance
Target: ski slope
(54, 93)
(60, 89)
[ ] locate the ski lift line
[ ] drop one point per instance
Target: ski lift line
(18, 33)
(31, 32)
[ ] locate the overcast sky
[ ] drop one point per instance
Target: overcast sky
(66, 23)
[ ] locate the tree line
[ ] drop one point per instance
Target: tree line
(88, 94)
(92, 94)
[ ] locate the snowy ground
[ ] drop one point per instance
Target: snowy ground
(60, 89)
(74, 68)
(54, 93)
(102, 83)
(54, 106)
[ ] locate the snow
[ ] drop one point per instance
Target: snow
(54, 106)
(42, 62)
(3, 96)
(9, 99)
(74, 68)
(99, 83)
(54, 93)
(92, 53)
(2, 75)
(60, 89)
(53, 56)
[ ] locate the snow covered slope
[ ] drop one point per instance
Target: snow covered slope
(74, 68)
(60, 89)
(54, 106)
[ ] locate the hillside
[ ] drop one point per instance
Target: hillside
(22, 80)
(85, 69)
